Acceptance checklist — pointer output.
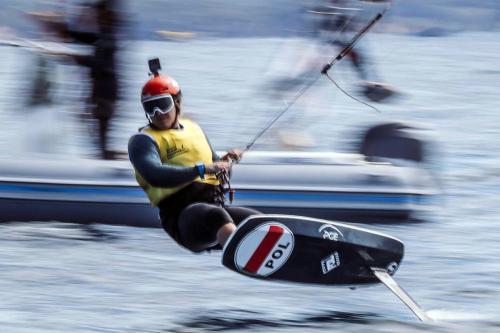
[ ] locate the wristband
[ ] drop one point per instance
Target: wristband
(200, 167)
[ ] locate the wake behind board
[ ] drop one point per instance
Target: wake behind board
(306, 250)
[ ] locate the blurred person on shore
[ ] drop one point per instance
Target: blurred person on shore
(102, 64)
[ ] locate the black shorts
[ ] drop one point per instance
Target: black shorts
(197, 225)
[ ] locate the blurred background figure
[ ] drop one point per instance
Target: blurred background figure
(101, 21)
(335, 23)
(331, 24)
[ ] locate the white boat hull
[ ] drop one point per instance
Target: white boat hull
(323, 185)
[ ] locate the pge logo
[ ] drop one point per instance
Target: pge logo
(330, 232)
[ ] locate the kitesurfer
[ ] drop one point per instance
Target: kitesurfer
(176, 166)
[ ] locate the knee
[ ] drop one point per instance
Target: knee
(217, 217)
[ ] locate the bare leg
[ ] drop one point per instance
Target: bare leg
(224, 232)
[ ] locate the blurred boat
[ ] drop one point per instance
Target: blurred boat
(354, 187)
(176, 35)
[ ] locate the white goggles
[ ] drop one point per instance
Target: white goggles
(162, 104)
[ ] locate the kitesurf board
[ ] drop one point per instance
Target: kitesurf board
(313, 251)
(307, 250)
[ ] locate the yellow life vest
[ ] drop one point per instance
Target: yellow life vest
(182, 147)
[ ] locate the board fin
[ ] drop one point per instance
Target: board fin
(393, 286)
(384, 276)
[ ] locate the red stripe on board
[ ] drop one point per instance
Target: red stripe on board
(266, 245)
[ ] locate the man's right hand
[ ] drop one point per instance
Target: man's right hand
(216, 167)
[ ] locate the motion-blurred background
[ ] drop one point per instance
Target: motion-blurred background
(239, 63)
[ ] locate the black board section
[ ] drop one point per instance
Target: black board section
(306, 250)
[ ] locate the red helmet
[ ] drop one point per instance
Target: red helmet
(160, 85)
(160, 94)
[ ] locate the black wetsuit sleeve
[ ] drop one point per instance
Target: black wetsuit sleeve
(145, 157)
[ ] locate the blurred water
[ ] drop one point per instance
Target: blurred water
(62, 277)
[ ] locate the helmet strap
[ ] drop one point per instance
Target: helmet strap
(177, 111)
(177, 118)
